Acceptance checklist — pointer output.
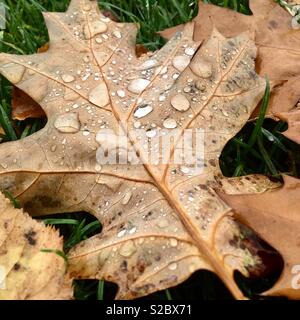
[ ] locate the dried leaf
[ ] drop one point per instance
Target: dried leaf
(26, 272)
(24, 107)
(161, 222)
(275, 216)
(277, 42)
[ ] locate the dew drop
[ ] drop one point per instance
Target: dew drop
(138, 85)
(180, 103)
(184, 169)
(173, 242)
(201, 68)
(117, 34)
(127, 249)
(95, 28)
(181, 62)
(149, 64)
(127, 198)
(67, 123)
(121, 233)
(173, 266)
(67, 78)
(99, 95)
(132, 230)
(121, 93)
(170, 123)
(162, 223)
(151, 133)
(189, 51)
(13, 72)
(98, 167)
(142, 111)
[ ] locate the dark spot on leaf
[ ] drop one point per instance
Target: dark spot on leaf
(30, 237)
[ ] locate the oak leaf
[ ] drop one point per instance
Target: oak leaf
(161, 222)
(277, 42)
(275, 216)
(26, 271)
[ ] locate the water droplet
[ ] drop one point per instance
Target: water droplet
(187, 89)
(132, 230)
(127, 249)
(149, 64)
(99, 95)
(151, 133)
(181, 62)
(86, 133)
(142, 111)
(170, 123)
(117, 34)
(98, 167)
(121, 233)
(189, 51)
(184, 169)
(67, 78)
(162, 98)
(67, 123)
(137, 124)
(95, 28)
(180, 103)
(138, 85)
(53, 148)
(13, 72)
(121, 93)
(162, 223)
(127, 198)
(173, 266)
(173, 242)
(201, 68)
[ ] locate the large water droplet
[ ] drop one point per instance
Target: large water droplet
(181, 62)
(127, 249)
(201, 68)
(138, 85)
(149, 64)
(67, 78)
(94, 28)
(173, 242)
(180, 103)
(13, 72)
(127, 198)
(170, 123)
(173, 266)
(142, 111)
(67, 123)
(99, 95)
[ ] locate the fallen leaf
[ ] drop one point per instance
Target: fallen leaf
(28, 273)
(162, 221)
(275, 216)
(277, 42)
(293, 119)
(24, 107)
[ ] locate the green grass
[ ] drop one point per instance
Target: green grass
(258, 148)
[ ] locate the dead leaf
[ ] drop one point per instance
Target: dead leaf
(277, 42)
(26, 272)
(161, 222)
(275, 216)
(24, 107)
(293, 119)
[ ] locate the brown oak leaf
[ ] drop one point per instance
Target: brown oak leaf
(162, 220)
